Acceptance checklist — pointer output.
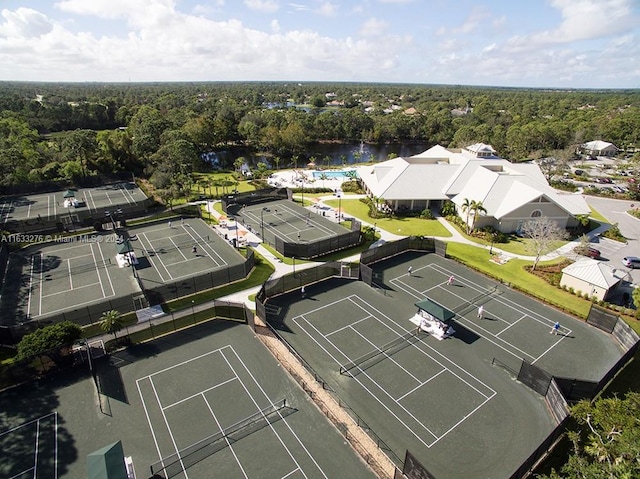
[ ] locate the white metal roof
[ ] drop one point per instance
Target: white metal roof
(594, 272)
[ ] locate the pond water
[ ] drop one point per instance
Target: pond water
(324, 155)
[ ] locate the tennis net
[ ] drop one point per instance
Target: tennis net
(177, 463)
(378, 354)
(175, 245)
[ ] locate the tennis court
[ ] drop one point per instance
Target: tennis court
(52, 205)
(445, 401)
(75, 273)
(288, 221)
(173, 250)
(210, 401)
(40, 434)
(60, 276)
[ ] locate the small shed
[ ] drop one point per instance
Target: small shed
(433, 318)
(595, 278)
(434, 311)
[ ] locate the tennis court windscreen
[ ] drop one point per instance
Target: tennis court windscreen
(378, 354)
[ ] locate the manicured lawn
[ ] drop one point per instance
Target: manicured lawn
(399, 226)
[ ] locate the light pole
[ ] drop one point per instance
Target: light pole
(302, 178)
(339, 195)
(294, 266)
(235, 220)
(262, 220)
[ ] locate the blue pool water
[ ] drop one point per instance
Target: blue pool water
(331, 174)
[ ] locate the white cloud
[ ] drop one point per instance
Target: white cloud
(373, 27)
(581, 20)
(477, 18)
(327, 9)
(24, 22)
(275, 26)
(267, 6)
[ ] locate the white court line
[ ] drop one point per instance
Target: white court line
(202, 243)
(97, 271)
(180, 401)
(419, 385)
(92, 200)
(226, 439)
(77, 288)
(283, 419)
(126, 194)
(35, 452)
(166, 422)
(70, 278)
(30, 295)
(473, 326)
(512, 324)
(221, 351)
(389, 358)
(310, 216)
(177, 248)
(393, 413)
(113, 291)
(154, 256)
(146, 413)
(349, 326)
(375, 397)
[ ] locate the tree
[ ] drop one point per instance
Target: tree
(477, 208)
(111, 322)
(604, 439)
(466, 208)
(543, 233)
(50, 341)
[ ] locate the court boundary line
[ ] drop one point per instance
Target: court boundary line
(473, 326)
(205, 244)
(492, 392)
(224, 352)
(36, 449)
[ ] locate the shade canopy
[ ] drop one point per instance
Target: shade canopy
(436, 310)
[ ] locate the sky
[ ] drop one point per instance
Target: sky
(517, 43)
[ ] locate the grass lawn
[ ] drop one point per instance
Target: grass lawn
(399, 226)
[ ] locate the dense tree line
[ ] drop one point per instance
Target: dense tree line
(61, 131)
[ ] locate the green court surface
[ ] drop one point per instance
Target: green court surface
(212, 381)
(445, 401)
(288, 221)
(165, 251)
(53, 278)
(52, 205)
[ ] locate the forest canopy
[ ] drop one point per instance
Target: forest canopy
(58, 131)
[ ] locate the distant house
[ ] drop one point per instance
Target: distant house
(598, 148)
(592, 277)
(511, 194)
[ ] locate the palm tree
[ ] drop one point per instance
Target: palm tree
(323, 177)
(111, 322)
(466, 208)
(477, 208)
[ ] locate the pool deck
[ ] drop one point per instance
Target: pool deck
(294, 178)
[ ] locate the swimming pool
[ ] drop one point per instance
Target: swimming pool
(331, 174)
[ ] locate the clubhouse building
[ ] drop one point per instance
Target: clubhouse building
(511, 193)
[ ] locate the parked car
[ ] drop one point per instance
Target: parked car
(631, 262)
(587, 251)
(604, 180)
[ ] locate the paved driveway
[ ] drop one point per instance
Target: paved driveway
(616, 212)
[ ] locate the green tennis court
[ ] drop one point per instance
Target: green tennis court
(89, 271)
(288, 221)
(210, 401)
(52, 205)
(445, 401)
